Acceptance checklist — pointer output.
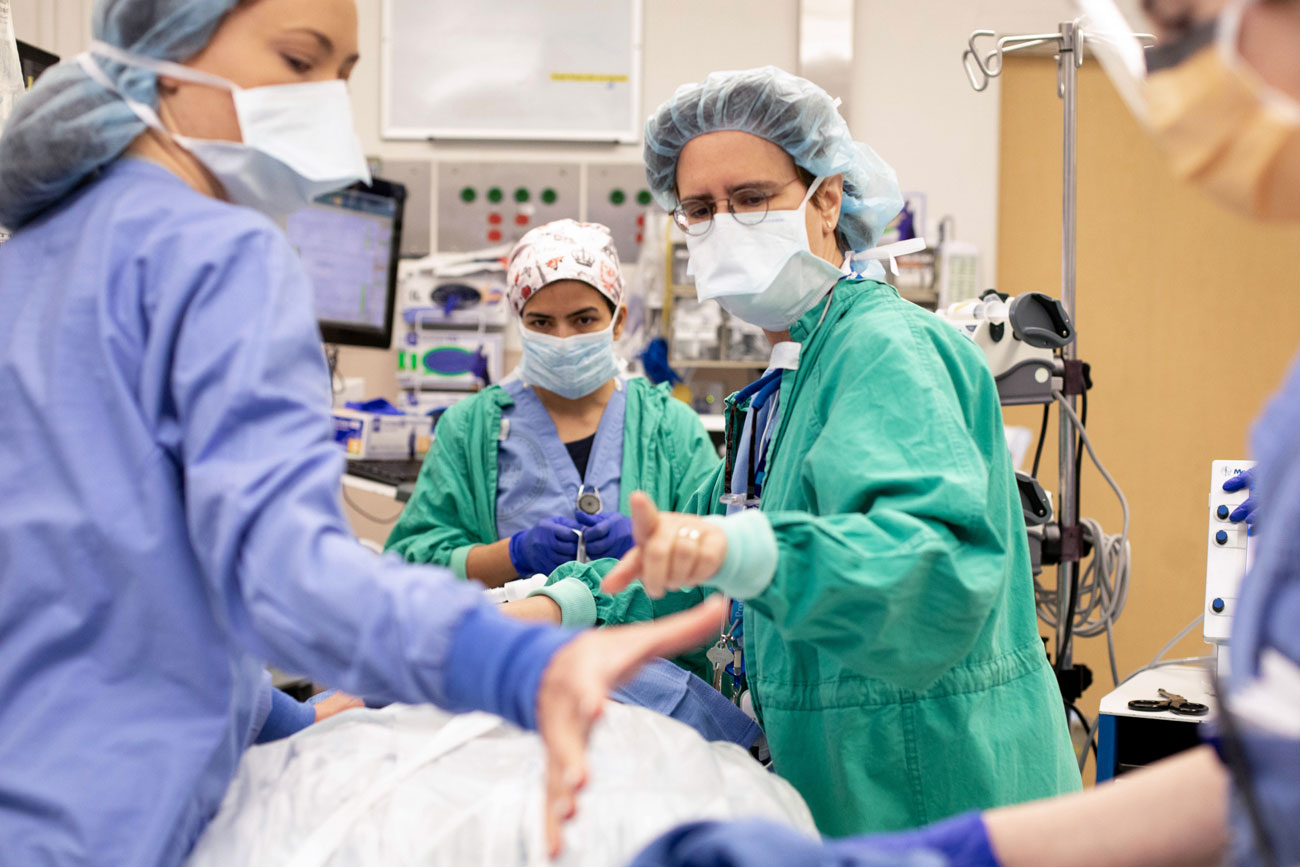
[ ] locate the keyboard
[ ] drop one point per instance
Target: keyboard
(393, 472)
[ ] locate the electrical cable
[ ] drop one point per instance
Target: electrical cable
(1102, 589)
(1186, 660)
(1177, 638)
(1072, 600)
(1042, 436)
(363, 513)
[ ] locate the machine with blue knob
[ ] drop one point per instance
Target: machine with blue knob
(1227, 558)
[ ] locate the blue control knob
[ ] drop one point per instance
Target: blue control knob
(1221, 537)
(1217, 606)
(1223, 512)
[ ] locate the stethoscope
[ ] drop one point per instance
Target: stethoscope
(589, 502)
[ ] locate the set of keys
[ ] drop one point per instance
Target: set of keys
(727, 657)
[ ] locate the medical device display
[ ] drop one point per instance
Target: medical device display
(349, 244)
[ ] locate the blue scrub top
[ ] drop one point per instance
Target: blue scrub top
(171, 520)
(1267, 622)
(536, 478)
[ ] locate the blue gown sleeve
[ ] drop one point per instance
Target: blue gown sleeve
(759, 842)
(288, 716)
(248, 385)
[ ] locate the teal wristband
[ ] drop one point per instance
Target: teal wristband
(751, 554)
(459, 557)
(577, 605)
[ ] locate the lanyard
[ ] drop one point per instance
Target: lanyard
(758, 393)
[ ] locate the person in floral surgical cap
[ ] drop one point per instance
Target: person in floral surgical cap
(521, 471)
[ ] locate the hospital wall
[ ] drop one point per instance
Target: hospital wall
(1187, 313)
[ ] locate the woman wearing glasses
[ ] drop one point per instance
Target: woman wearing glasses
(867, 517)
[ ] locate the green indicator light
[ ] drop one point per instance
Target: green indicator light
(468, 195)
(495, 194)
(549, 196)
(522, 195)
(643, 198)
(617, 197)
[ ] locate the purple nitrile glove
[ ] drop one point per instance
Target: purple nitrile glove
(608, 534)
(1246, 511)
(552, 543)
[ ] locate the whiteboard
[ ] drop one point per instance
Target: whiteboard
(558, 70)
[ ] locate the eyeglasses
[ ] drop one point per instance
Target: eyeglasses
(749, 205)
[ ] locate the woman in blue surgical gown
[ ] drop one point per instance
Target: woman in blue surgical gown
(171, 519)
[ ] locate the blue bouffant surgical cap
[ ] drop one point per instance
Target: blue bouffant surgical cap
(792, 113)
(68, 125)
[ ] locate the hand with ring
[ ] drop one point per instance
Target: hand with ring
(673, 551)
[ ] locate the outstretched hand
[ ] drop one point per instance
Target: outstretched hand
(578, 680)
(672, 551)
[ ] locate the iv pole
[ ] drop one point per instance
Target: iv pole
(979, 70)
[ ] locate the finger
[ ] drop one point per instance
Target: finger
(628, 570)
(645, 516)
(566, 544)
(685, 552)
(563, 524)
(1237, 482)
(1242, 512)
(563, 775)
(656, 553)
(565, 738)
(669, 636)
(586, 519)
(712, 554)
(596, 532)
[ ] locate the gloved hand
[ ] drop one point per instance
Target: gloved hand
(963, 839)
(553, 542)
(608, 534)
(1246, 511)
(758, 842)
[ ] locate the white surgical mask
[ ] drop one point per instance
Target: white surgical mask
(298, 139)
(764, 274)
(571, 367)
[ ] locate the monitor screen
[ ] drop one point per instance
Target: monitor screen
(33, 62)
(349, 243)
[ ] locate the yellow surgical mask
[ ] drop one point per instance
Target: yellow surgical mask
(1226, 130)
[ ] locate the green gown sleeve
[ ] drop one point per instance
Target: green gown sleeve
(694, 455)
(443, 518)
(630, 606)
(905, 545)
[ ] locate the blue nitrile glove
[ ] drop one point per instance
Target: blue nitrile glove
(963, 839)
(1246, 511)
(758, 843)
(553, 542)
(608, 534)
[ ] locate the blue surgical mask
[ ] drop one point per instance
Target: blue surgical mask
(571, 367)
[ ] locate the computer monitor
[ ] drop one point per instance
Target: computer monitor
(349, 243)
(33, 61)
